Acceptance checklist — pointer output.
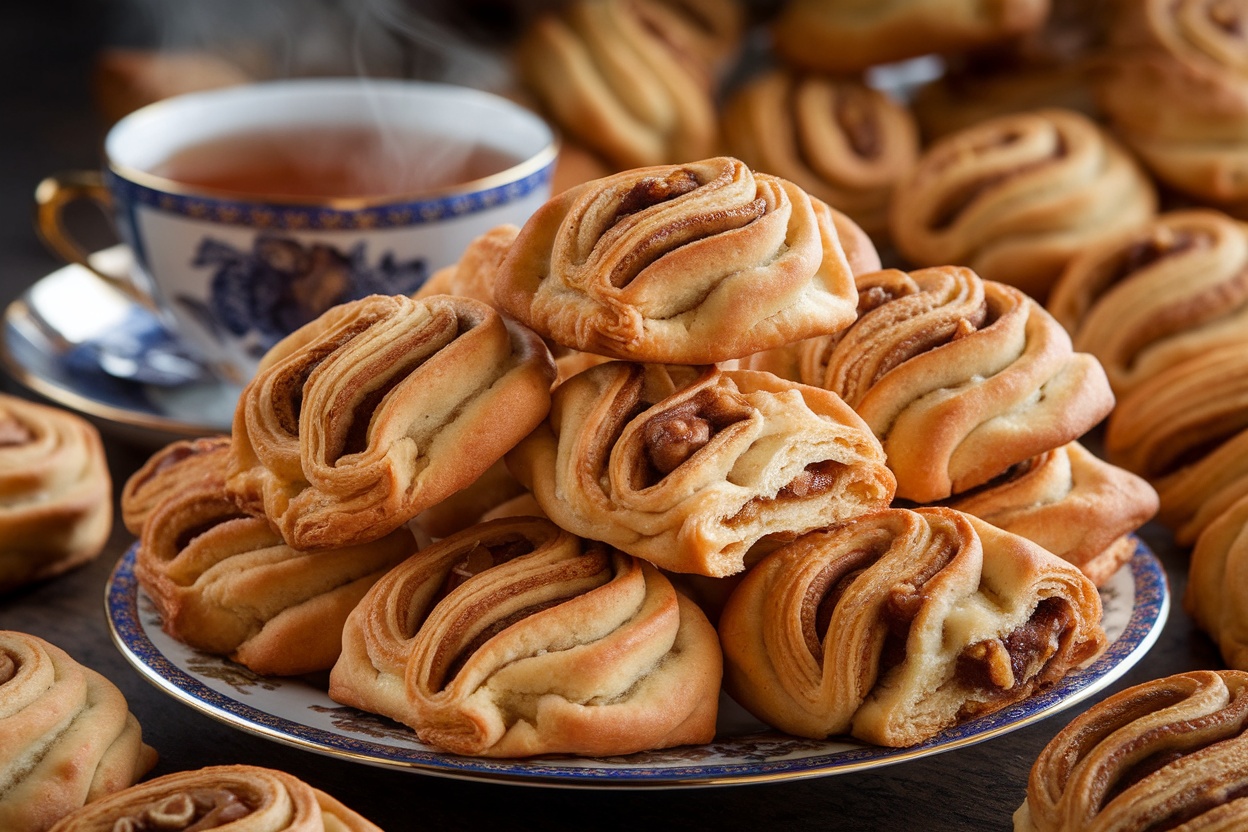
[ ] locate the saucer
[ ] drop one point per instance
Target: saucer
(80, 343)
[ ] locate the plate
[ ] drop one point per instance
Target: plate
(298, 712)
(109, 358)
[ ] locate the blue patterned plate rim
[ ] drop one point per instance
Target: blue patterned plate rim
(760, 757)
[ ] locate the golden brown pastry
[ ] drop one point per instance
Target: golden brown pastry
(840, 140)
(712, 29)
(237, 798)
(379, 409)
(66, 735)
(1072, 503)
(1185, 430)
(179, 464)
(688, 264)
(852, 35)
(690, 470)
(1165, 754)
(860, 252)
(1015, 197)
(621, 77)
(473, 275)
(1176, 89)
(1053, 65)
(515, 638)
(1217, 583)
(56, 503)
(225, 582)
(1170, 290)
(899, 624)
(961, 378)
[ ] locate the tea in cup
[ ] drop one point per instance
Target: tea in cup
(251, 210)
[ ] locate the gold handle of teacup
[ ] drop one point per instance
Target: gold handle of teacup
(52, 196)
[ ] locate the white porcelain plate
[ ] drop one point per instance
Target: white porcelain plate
(298, 712)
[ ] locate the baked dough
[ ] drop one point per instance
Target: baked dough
(840, 140)
(233, 797)
(179, 464)
(66, 735)
(1158, 295)
(1217, 583)
(1175, 87)
(473, 275)
(1016, 197)
(1165, 754)
(622, 78)
(899, 624)
(1185, 430)
(379, 409)
(56, 499)
(852, 35)
(690, 471)
(681, 264)
(227, 584)
(960, 378)
(515, 638)
(1072, 503)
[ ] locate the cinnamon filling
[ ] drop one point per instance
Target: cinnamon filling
(998, 666)
(653, 190)
(1163, 242)
(937, 335)
(189, 811)
(961, 198)
(857, 120)
(483, 556)
(826, 591)
(815, 479)
(13, 432)
(8, 668)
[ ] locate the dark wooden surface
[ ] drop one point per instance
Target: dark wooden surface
(49, 124)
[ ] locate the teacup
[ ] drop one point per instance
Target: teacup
(250, 210)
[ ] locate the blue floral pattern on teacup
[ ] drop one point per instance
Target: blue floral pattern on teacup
(282, 284)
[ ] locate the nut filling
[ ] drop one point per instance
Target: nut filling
(998, 666)
(672, 437)
(189, 811)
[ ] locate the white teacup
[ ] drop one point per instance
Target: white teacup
(250, 210)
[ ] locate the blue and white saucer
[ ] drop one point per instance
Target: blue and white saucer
(80, 343)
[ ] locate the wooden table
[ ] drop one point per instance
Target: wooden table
(50, 125)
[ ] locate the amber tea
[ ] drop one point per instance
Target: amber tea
(331, 162)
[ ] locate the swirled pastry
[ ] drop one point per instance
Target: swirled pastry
(841, 141)
(379, 409)
(1217, 583)
(1185, 430)
(1072, 503)
(959, 377)
(182, 463)
(689, 472)
(226, 583)
(1176, 88)
(515, 638)
(854, 35)
(682, 264)
(899, 624)
(1165, 754)
(56, 504)
(1168, 291)
(1015, 197)
(66, 735)
(473, 276)
(237, 798)
(623, 79)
